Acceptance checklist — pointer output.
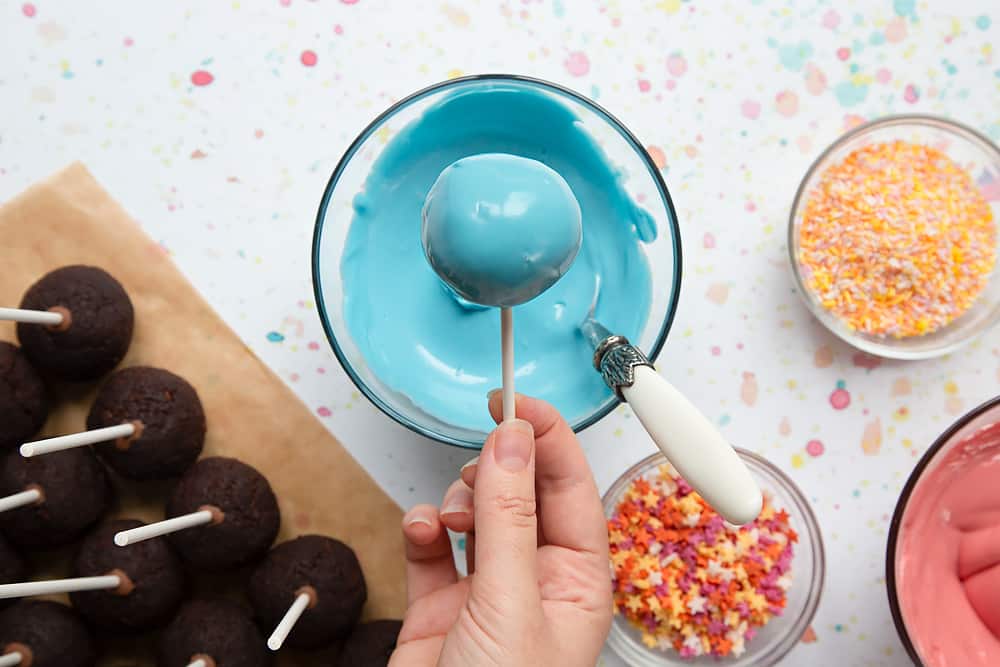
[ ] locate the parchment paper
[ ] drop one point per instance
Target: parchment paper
(252, 415)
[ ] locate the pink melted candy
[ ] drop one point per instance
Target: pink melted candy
(948, 555)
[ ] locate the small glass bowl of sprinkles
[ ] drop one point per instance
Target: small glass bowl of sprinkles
(893, 236)
(690, 589)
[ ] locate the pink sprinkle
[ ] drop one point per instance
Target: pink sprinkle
(716, 350)
(577, 63)
(258, 134)
(285, 3)
(911, 94)
(671, 84)
(676, 65)
(323, 411)
(843, 53)
(840, 399)
(750, 207)
(202, 78)
(349, 2)
(339, 29)
(644, 86)
(750, 109)
(294, 377)
(883, 76)
(313, 345)
(29, 10)
(814, 448)
(708, 240)
(309, 58)
(128, 41)
(321, 370)
(831, 19)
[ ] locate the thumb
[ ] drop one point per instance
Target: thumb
(506, 522)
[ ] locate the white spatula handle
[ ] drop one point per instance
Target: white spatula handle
(694, 446)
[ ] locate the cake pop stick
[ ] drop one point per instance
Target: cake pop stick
(82, 439)
(209, 514)
(304, 600)
(49, 318)
(11, 659)
(114, 580)
(507, 361)
(26, 497)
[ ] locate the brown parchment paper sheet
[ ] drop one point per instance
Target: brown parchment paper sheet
(252, 415)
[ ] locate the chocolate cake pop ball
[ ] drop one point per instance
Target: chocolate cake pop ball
(97, 323)
(24, 404)
(152, 588)
(167, 414)
(75, 494)
(246, 520)
(12, 567)
(325, 569)
(500, 229)
(46, 634)
(218, 631)
(371, 644)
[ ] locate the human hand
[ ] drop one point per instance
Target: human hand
(539, 591)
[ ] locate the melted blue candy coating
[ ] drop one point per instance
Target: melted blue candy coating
(443, 352)
(500, 229)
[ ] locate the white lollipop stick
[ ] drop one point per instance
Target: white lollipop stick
(197, 663)
(21, 499)
(10, 659)
(507, 361)
(55, 586)
(82, 439)
(167, 526)
(46, 317)
(288, 621)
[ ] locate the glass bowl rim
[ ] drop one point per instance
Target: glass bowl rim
(897, 519)
(363, 136)
(886, 351)
(818, 575)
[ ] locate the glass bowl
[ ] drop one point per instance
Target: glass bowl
(782, 633)
(641, 177)
(967, 148)
(981, 417)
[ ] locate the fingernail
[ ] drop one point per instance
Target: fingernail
(471, 463)
(492, 392)
(460, 502)
(514, 440)
(418, 519)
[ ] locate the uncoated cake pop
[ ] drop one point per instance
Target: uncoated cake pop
(168, 420)
(219, 632)
(46, 634)
(71, 492)
(152, 584)
(371, 644)
(12, 566)
(242, 516)
(323, 572)
(96, 324)
(23, 401)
